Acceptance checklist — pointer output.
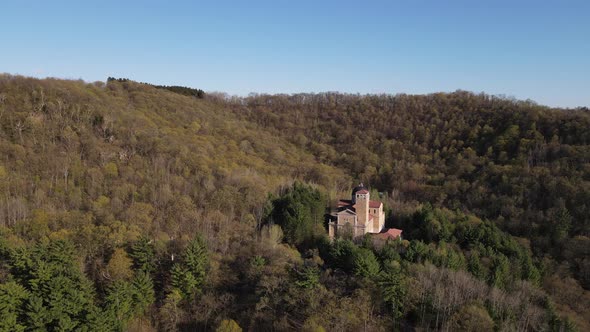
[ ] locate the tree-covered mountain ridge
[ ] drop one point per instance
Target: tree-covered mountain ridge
(121, 177)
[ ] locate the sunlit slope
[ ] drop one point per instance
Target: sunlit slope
(64, 145)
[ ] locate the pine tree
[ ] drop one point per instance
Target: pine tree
(189, 274)
(12, 300)
(142, 253)
(119, 303)
(183, 280)
(501, 272)
(37, 316)
(307, 276)
(143, 292)
(60, 295)
(475, 267)
(298, 211)
(196, 259)
(393, 290)
(365, 263)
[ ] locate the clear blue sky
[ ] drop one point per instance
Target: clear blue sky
(526, 49)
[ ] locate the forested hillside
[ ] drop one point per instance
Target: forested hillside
(524, 166)
(126, 206)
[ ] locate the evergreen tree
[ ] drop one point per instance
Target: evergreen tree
(12, 300)
(196, 259)
(307, 277)
(143, 255)
(298, 212)
(500, 274)
(119, 303)
(60, 295)
(341, 254)
(189, 273)
(475, 267)
(143, 292)
(393, 290)
(365, 263)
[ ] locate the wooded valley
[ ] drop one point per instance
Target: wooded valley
(131, 207)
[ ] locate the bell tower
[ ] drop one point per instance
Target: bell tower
(362, 206)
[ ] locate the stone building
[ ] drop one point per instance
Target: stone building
(357, 216)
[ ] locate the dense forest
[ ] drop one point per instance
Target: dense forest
(183, 90)
(130, 207)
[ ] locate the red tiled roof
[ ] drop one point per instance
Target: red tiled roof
(342, 203)
(390, 233)
(362, 191)
(374, 204)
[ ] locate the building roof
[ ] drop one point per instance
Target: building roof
(362, 191)
(347, 211)
(358, 188)
(375, 204)
(344, 202)
(389, 234)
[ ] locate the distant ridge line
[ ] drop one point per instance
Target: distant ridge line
(183, 90)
